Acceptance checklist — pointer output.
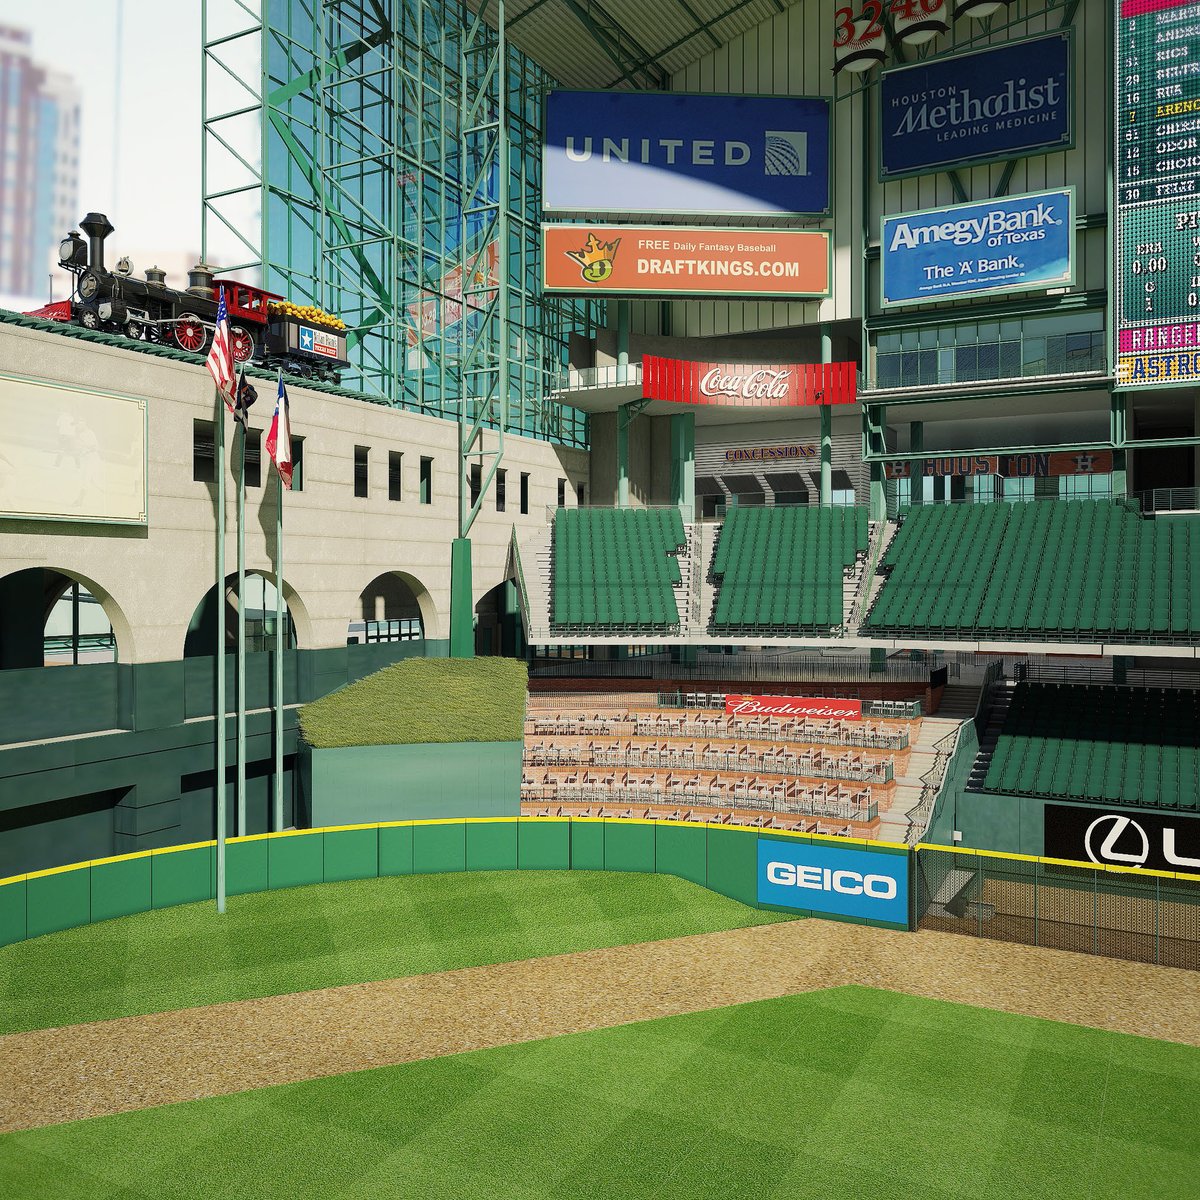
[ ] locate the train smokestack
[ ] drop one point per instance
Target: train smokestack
(200, 281)
(97, 226)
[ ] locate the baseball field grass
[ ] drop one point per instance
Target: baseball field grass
(844, 1093)
(272, 943)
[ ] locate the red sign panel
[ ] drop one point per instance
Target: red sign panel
(744, 385)
(793, 706)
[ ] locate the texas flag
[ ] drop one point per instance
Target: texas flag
(279, 438)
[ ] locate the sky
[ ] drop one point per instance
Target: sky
(140, 153)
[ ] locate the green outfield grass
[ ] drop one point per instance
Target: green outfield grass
(270, 943)
(849, 1093)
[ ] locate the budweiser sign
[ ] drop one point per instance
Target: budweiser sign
(748, 385)
(793, 706)
(757, 385)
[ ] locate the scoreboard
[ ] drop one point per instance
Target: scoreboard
(1157, 212)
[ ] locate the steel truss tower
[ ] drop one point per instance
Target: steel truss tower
(381, 159)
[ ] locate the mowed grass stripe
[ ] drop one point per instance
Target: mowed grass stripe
(301, 939)
(850, 1092)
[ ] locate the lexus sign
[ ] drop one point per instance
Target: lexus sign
(1127, 838)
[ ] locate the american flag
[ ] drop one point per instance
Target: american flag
(220, 357)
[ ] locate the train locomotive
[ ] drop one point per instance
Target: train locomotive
(264, 328)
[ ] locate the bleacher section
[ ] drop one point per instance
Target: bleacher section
(614, 570)
(781, 570)
(1113, 744)
(1066, 570)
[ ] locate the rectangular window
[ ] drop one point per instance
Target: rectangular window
(473, 479)
(426, 492)
(581, 494)
(202, 452)
(501, 500)
(254, 458)
(524, 493)
(395, 475)
(562, 493)
(297, 464)
(361, 482)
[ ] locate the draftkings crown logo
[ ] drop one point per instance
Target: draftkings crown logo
(595, 259)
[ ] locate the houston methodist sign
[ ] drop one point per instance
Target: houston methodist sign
(830, 879)
(793, 706)
(757, 385)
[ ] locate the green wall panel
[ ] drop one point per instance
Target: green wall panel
(246, 867)
(439, 848)
(295, 861)
(492, 846)
(681, 850)
(183, 876)
(353, 854)
(545, 845)
(12, 913)
(59, 901)
(628, 846)
(587, 846)
(121, 888)
(733, 864)
(396, 850)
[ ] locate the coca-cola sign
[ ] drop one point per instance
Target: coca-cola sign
(756, 385)
(839, 709)
(749, 385)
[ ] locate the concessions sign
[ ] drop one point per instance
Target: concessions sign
(793, 706)
(678, 261)
(749, 385)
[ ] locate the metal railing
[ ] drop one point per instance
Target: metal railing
(580, 378)
(1037, 671)
(1156, 500)
(963, 740)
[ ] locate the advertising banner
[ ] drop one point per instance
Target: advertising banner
(1156, 257)
(748, 385)
(793, 706)
(1005, 102)
(1123, 839)
(71, 455)
(771, 454)
(1014, 244)
(677, 153)
(667, 260)
(843, 882)
(1012, 466)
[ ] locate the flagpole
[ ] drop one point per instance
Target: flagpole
(219, 715)
(241, 633)
(280, 645)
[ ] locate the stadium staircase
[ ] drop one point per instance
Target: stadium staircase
(897, 824)
(997, 714)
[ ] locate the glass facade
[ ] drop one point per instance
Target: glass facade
(977, 351)
(369, 208)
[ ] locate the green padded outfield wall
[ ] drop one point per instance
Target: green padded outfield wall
(720, 857)
(361, 785)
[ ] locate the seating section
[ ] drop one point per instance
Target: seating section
(1075, 569)
(1112, 744)
(615, 568)
(780, 570)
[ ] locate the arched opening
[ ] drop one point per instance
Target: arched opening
(499, 629)
(260, 618)
(52, 618)
(393, 607)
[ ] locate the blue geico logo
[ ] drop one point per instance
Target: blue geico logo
(844, 882)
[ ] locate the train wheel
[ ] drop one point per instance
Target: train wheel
(189, 333)
(241, 343)
(89, 318)
(135, 330)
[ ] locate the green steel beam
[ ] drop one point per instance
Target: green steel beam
(614, 40)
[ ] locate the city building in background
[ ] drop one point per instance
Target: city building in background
(39, 166)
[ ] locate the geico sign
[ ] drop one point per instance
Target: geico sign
(823, 879)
